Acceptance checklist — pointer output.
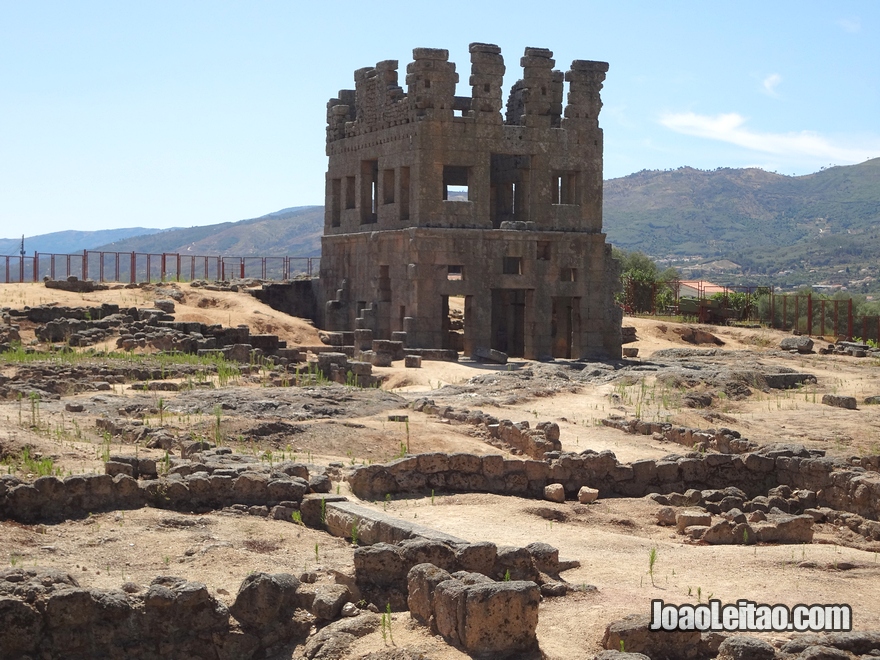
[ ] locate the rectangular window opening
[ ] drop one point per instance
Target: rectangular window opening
(455, 183)
(564, 188)
(543, 250)
(404, 193)
(454, 272)
(568, 275)
(335, 202)
(369, 190)
(508, 188)
(388, 187)
(512, 266)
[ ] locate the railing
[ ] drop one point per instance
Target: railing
(823, 317)
(148, 267)
(804, 314)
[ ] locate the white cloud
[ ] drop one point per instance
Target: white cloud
(850, 24)
(771, 82)
(731, 128)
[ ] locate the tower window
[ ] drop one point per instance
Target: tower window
(455, 183)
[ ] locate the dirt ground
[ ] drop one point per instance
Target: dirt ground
(610, 538)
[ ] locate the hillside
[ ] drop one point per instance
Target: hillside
(64, 242)
(293, 231)
(764, 222)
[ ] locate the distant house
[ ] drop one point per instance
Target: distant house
(699, 289)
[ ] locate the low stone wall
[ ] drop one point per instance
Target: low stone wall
(520, 437)
(46, 613)
(724, 441)
(381, 569)
(193, 486)
(347, 520)
(390, 547)
(837, 484)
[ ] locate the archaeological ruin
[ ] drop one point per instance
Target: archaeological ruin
(431, 196)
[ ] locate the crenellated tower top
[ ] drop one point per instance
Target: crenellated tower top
(378, 101)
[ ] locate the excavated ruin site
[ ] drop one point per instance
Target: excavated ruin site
(461, 464)
(279, 497)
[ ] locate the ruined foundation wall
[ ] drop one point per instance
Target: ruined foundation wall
(836, 484)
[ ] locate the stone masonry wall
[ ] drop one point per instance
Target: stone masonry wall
(431, 195)
(837, 484)
(45, 613)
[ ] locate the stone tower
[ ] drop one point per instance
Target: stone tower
(431, 196)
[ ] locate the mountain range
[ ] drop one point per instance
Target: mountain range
(293, 231)
(66, 242)
(735, 225)
(760, 221)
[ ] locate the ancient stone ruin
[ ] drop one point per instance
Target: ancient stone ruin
(430, 195)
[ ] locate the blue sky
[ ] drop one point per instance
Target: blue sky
(160, 114)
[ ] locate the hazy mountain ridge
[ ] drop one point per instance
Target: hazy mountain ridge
(293, 231)
(66, 242)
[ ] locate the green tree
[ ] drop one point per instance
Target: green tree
(645, 287)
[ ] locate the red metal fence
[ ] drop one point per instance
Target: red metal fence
(831, 317)
(146, 267)
(805, 314)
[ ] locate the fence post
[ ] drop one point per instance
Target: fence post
(133, 267)
(85, 265)
(178, 267)
(849, 320)
(36, 266)
(810, 314)
(242, 267)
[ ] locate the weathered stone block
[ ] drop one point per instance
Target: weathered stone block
(554, 492)
(586, 495)
(688, 517)
(422, 579)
